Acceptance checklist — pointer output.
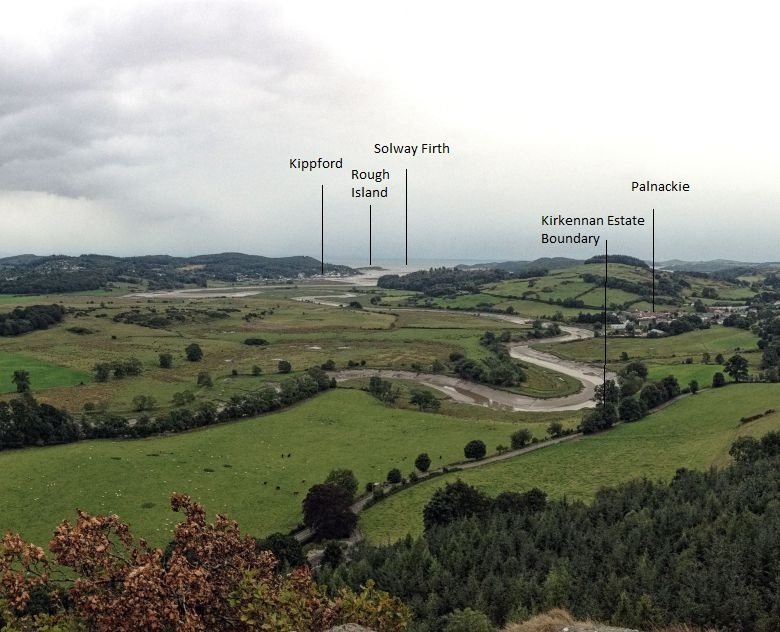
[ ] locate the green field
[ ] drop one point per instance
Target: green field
(306, 334)
(717, 339)
(684, 373)
(695, 432)
(42, 374)
(614, 297)
(225, 466)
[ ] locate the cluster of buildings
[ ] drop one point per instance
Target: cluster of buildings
(645, 323)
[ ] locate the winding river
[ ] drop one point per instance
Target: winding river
(483, 395)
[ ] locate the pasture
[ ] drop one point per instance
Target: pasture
(695, 432)
(305, 334)
(236, 467)
(717, 339)
(42, 373)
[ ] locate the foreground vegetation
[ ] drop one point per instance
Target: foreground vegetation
(701, 549)
(209, 577)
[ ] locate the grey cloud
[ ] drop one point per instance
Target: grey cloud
(59, 114)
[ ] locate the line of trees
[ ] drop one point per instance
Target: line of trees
(630, 398)
(118, 368)
(26, 422)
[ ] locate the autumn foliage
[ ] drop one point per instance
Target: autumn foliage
(209, 578)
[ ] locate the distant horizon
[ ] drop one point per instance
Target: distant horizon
(355, 262)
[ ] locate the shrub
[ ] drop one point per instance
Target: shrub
(467, 620)
(520, 438)
(143, 402)
(284, 366)
(183, 398)
(80, 331)
(194, 352)
(555, 429)
(332, 556)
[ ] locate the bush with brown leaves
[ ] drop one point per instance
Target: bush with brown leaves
(210, 578)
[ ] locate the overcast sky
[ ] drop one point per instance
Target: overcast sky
(162, 127)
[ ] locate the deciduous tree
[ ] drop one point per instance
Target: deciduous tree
(475, 449)
(422, 462)
(21, 379)
(326, 510)
(345, 479)
(737, 367)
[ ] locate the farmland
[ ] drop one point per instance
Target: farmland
(237, 467)
(718, 339)
(695, 432)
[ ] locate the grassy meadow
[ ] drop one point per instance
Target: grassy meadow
(695, 432)
(236, 467)
(44, 374)
(717, 339)
(305, 334)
